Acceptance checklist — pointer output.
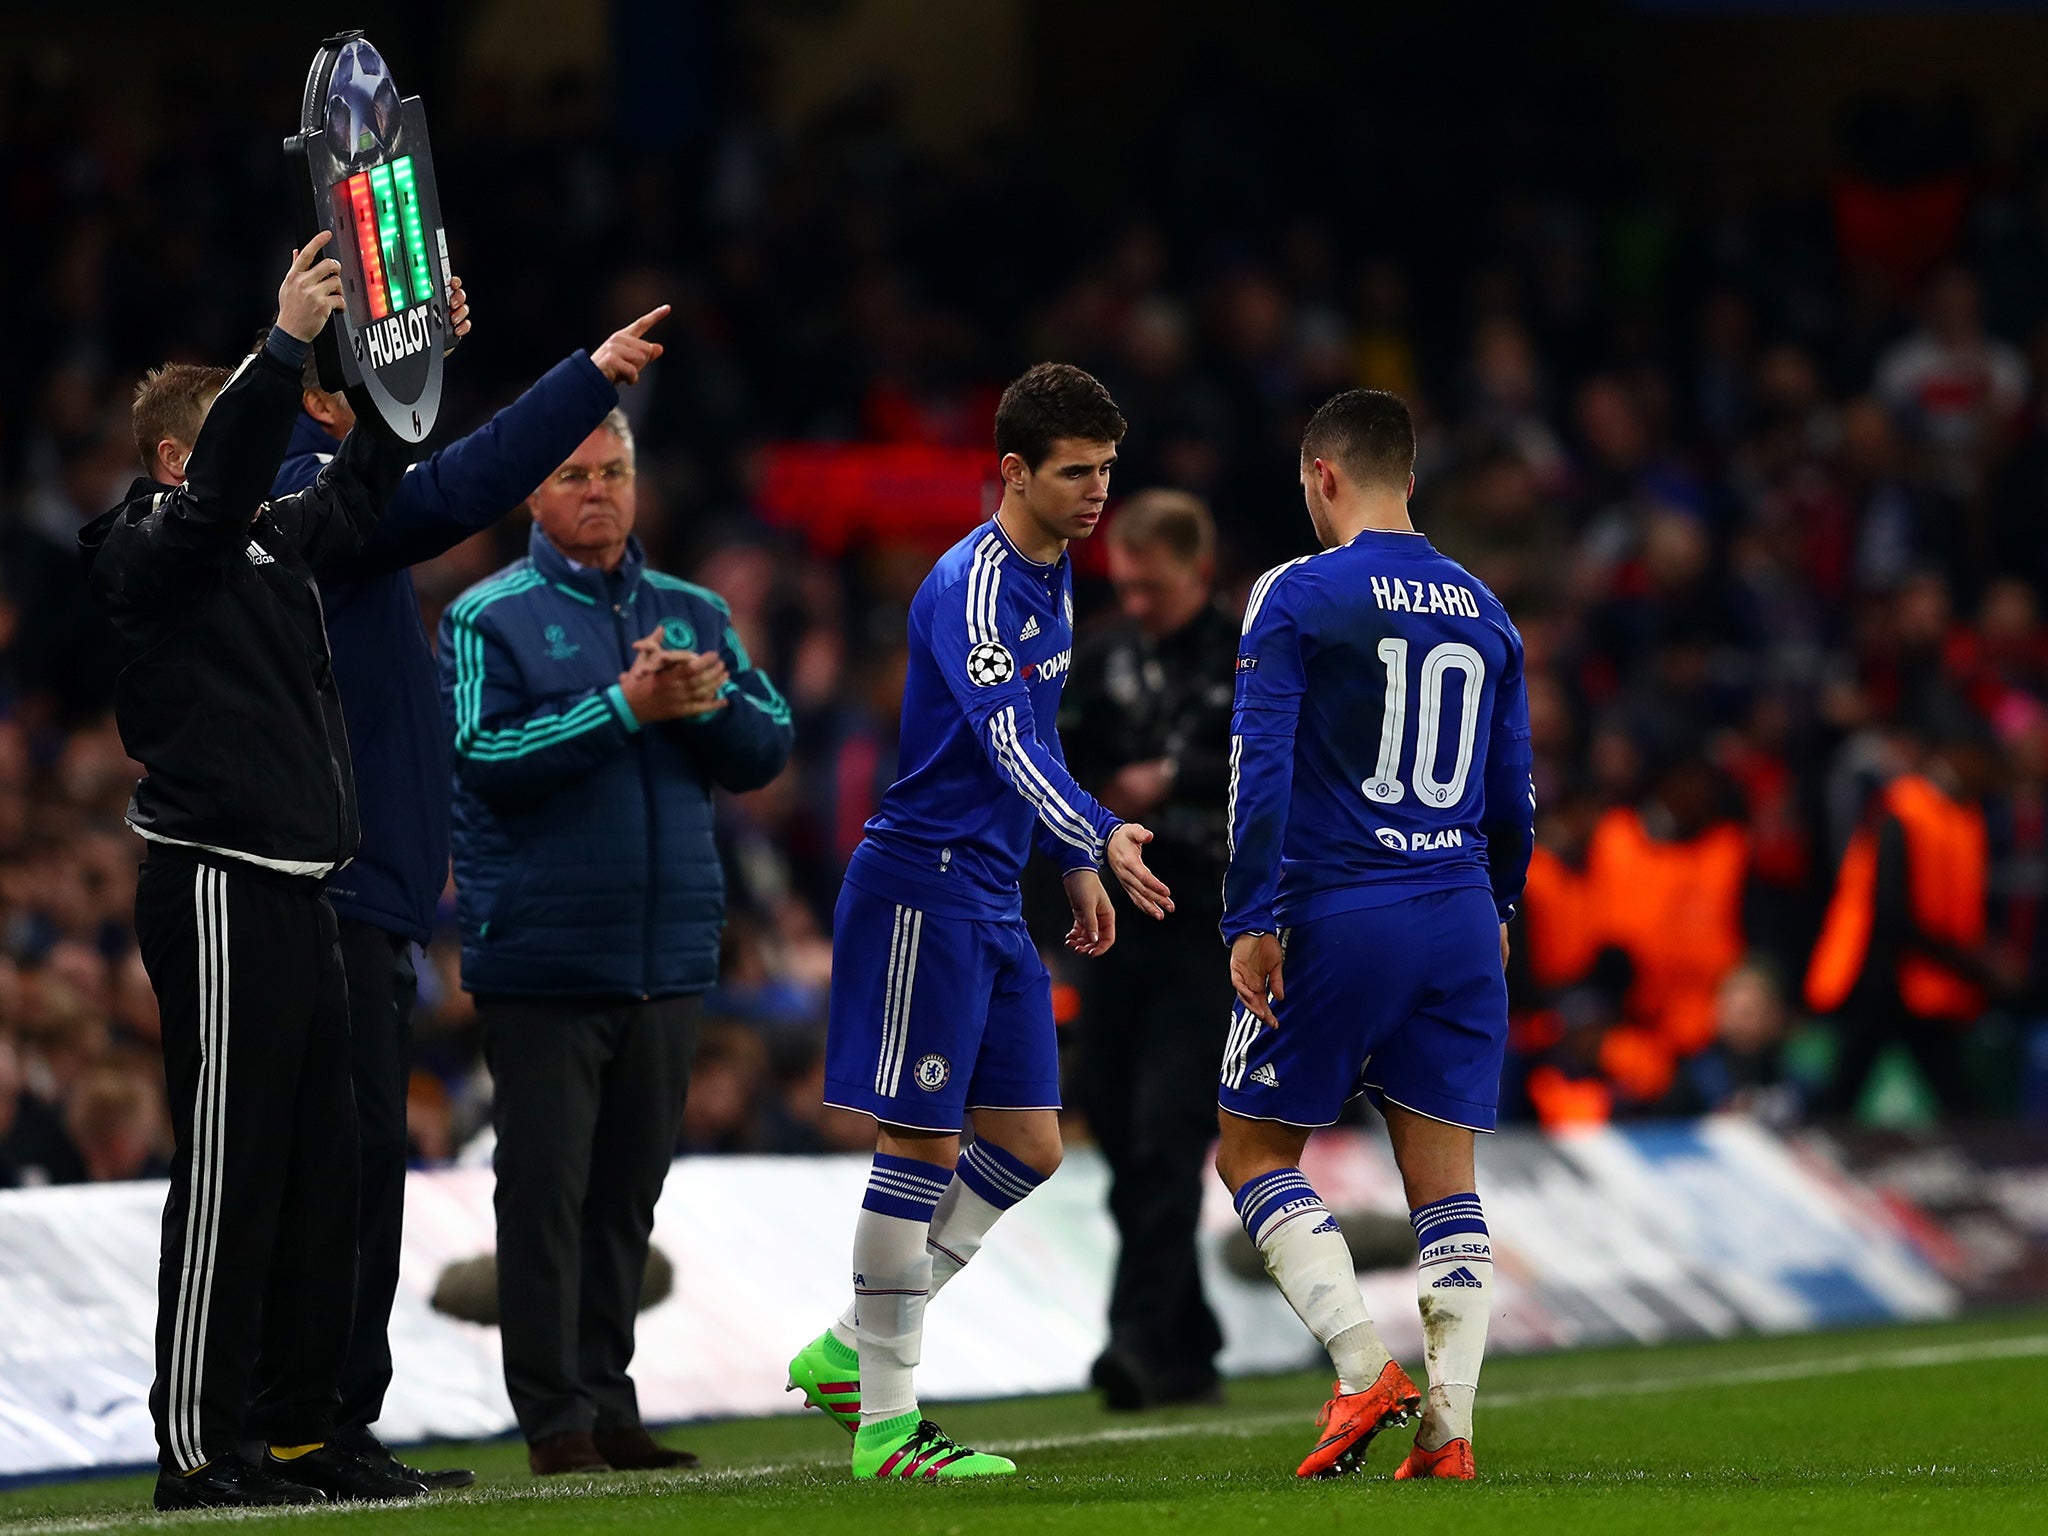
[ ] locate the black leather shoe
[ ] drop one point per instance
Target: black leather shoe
(1129, 1385)
(370, 1448)
(1125, 1384)
(346, 1476)
(230, 1483)
(635, 1450)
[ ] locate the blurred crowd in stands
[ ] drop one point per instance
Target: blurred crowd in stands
(1764, 482)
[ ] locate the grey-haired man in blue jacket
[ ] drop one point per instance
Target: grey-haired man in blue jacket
(596, 703)
(398, 739)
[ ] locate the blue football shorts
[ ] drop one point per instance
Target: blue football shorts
(1405, 1003)
(933, 1016)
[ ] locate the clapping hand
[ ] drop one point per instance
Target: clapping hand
(668, 684)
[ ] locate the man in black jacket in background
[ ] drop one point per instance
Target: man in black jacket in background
(1147, 713)
(248, 804)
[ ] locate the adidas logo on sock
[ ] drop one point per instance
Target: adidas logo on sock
(258, 555)
(1264, 1074)
(1461, 1278)
(1030, 629)
(1329, 1224)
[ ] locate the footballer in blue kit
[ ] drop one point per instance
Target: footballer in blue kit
(940, 1004)
(1382, 818)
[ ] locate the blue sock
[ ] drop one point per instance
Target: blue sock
(905, 1187)
(995, 1175)
(1272, 1200)
(987, 1181)
(1451, 1228)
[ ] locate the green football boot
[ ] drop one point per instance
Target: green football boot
(827, 1372)
(915, 1449)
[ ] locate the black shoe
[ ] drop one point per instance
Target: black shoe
(635, 1450)
(370, 1448)
(1125, 1383)
(1128, 1384)
(230, 1483)
(345, 1475)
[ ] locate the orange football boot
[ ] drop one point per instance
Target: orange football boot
(1351, 1419)
(1451, 1459)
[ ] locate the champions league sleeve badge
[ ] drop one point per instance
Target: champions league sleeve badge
(372, 177)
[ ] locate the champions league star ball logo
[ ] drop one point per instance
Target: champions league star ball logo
(990, 664)
(362, 105)
(370, 170)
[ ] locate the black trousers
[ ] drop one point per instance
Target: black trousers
(257, 1275)
(1154, 1014)
(588, 1106)
(382, 986)
(1874, 1019)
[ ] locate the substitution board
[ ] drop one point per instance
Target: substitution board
(371, 172)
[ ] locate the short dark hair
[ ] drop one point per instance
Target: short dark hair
(1367, 433)
(172, 401)
(1052, 401)
(1170, 520)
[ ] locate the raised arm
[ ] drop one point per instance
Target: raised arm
(331, 520)
(205, 520)
(478, 479)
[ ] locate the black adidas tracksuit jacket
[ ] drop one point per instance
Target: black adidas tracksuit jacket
(228, 702)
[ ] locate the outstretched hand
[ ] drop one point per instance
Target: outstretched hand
(622, 355)
(1126, 860)
(1255, 961)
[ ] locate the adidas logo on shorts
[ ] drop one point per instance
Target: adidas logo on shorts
(1460, 1278)
(1264, 1075)
(1030, 629)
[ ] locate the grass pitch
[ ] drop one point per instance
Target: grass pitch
(1925, 1429)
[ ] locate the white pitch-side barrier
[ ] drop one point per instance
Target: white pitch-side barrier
(1640, 1234)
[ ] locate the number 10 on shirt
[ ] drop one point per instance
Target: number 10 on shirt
(1385, 786)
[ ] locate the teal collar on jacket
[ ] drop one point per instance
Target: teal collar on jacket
(585, 581)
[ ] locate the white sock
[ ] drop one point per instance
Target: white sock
(1311, 1263)
(987, 1181)
(892, 1278)
(1454, 1288)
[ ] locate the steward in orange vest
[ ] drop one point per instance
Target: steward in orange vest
(1901, 953)
(1671, 899)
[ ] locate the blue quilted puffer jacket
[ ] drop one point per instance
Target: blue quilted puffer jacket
(584, 859)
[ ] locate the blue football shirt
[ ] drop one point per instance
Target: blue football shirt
(1380, 739)
(983, 778)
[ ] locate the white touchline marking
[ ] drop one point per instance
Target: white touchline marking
(2028, 1346)
(1920, 1357)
